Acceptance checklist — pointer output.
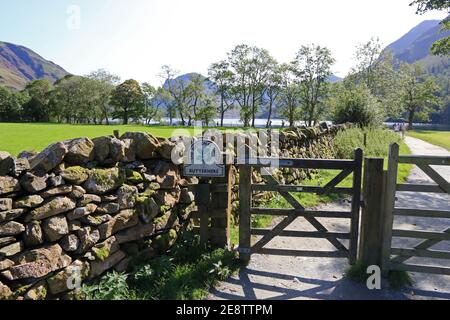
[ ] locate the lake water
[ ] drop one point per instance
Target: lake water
(259, 123)
(278, 123)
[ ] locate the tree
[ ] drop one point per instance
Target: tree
(261, 62)
(104, 83)
(206, 110)
(36, 109)
(11, 103)
(441, 47)
(152, 103)
(77, 100)
(312, 66)
(417, 93)
(238, 61)
(163, 98)
(273, 90)
(128, 101)
(220, 74)
(63, 102)
(289, 94)
(250, 68)
(354, 103)
(195, 92)
(178, 90)
(367, 54)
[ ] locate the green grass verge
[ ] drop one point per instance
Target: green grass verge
(438, 138)
(188, 272)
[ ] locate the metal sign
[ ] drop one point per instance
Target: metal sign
(204, 160)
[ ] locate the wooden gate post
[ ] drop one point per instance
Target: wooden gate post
(202, 200)
(388, 218)
(245, 202)
(370, 245)
(356, 205)
(220, 209)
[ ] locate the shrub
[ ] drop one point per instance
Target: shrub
(112, 286)
(355, 104)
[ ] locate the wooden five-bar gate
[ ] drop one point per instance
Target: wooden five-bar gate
(247, 188)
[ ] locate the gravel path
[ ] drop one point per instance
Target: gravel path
(273, 277)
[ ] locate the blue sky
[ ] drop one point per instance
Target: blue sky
(134, 38)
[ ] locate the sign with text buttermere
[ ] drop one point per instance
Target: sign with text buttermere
(204, 159)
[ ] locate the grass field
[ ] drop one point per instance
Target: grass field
(18, 137)
(439, 138)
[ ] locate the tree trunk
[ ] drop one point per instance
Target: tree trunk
(183, 122)
(125, 117)
(291, 117)
(411, 119)
(269, 118)
(222, 110)
(253, 112)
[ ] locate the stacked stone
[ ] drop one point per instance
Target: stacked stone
(83, 207)
(298, 142)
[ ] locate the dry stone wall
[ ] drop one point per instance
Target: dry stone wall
(82, 207)
(299, 142)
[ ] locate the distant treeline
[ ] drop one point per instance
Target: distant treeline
(250, 82)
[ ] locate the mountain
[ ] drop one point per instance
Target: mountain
(415, 45)
(333, 79)
(19, 65)
(403, 44)
(186, 78)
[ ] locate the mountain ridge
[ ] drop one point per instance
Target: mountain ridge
(415, 45)
(19, 65)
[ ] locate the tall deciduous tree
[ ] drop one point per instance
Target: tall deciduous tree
(273, 90)
(417, 93)
(103, 84)
(195, 92)
(366, 56)
(289, 95)
(239, 62)
(152, 103)
(178, 90)
(221, 75)
(36, 109)
(128, 101)
(250, 67)
(312, 66)
(11, 103)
